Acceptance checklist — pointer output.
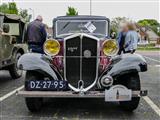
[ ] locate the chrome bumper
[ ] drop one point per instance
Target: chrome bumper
(71, 94)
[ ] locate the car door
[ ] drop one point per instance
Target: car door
(6, 47)
(0, 50)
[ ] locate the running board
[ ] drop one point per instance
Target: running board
(71, 94)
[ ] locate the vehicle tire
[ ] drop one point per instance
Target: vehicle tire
(13, 70)
(33, 104)
(133, 83)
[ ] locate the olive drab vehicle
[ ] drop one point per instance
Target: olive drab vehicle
(12, 45)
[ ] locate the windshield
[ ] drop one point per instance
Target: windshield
(95, 27)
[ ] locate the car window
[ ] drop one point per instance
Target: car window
(94, 27)
(13, 28)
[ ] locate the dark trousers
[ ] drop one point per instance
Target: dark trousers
(130, 51)
(120, 51)
(36, 48)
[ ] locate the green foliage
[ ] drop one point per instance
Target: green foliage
(13, 8)
(71, 11)
(4, 8)
(24, 14)
(148, 22)
(10, 8)
(153, 24)
(115, 23)
(155, 29)
(148, 47)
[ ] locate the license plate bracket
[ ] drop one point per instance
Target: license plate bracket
(118, 93)
(46, 85)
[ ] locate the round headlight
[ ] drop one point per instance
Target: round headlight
(51, 47)
(110, 47)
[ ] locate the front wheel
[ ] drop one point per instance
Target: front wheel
(13, 70)
(133, 83)
(33, 104)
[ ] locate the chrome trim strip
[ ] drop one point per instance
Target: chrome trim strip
(81, 37)
(69, 94)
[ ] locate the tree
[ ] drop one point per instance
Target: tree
(24, 14)
(152, 23)
(4, 8)
(115, 23)
(13, 8)
(10, 8)
(148, 22)
(71, 11)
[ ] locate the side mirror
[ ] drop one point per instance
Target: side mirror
(6, 28)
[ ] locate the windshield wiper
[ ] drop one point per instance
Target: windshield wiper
(65, 26)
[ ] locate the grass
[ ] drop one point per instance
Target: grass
(149, 47)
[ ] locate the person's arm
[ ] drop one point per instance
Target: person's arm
(119, 37)
(44, 33)
(133, 39)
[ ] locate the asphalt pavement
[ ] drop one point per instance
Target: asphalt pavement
(13, 107)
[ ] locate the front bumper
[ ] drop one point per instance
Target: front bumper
(71, 94)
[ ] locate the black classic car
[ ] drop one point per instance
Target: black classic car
(81, 61)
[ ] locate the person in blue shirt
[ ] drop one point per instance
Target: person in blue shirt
(131, 39)
(121, 38)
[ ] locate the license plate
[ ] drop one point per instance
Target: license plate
(118, 93)
(48, 85)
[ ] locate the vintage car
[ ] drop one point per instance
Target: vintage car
(81, 61)
(12, 45)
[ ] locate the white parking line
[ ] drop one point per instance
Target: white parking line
(10, 93)
(146, 98)
(157, 65)
(152, 59)
(152, 105)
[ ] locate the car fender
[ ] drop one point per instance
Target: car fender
(127, 63)
(36, 61)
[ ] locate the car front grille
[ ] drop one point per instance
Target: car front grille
(81, 60)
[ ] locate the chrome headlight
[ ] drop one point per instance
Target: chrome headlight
(51, 47)
(110, 47)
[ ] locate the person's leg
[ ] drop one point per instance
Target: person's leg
(130, 51)
(120, 51)
(36, 48)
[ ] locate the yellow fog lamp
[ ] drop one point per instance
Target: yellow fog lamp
(51, 47)
(110, 47)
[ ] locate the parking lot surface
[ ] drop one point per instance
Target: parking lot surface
(13, 107)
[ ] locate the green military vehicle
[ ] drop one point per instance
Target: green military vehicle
(12, 45)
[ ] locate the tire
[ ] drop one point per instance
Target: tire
(133, 83)
(33, 104)
(13, 70)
